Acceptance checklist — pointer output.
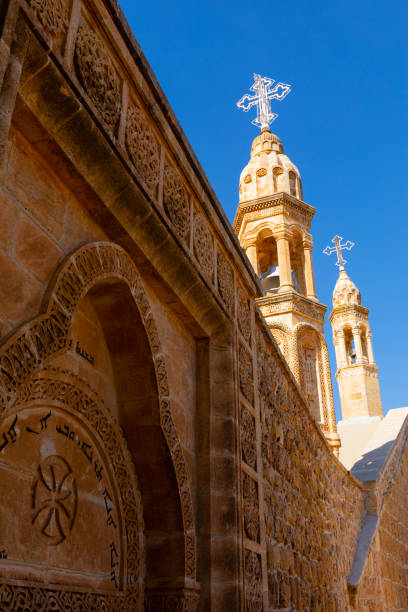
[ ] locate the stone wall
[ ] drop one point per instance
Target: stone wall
(384, 581)
(312, 506)
(127, 313)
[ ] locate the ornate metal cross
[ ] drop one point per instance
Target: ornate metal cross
(339, 247)
(263, 94)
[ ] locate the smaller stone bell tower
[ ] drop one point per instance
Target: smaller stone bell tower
(357, 373)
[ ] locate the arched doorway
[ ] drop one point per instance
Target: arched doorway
(98, 338)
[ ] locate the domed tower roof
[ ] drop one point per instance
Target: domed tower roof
(345, 292)
(269, 170)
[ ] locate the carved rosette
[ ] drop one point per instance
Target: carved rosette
(98, 75)
(62, 387)
(253, 582)
(142, 146)
(243, 314)
(246, 384)
(176, 201)
(248, 438)
(251, 507)
(203, 245)
(52, 14)
(225, 279)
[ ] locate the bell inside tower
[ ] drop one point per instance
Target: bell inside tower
(350, 347)
(268, 265)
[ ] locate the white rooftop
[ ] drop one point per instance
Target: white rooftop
(366, 442)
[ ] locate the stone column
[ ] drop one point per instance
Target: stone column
(342, 348)
(358, 345)
(251, 251)
(308, 270)
(336, 343)
(285, 270)
(370, 351)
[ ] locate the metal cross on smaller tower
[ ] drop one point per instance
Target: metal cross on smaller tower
(264, 93)
(339, 247)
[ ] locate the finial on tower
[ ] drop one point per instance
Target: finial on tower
(339, 247)
(263, 93)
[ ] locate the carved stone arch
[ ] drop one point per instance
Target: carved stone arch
(303, 329)
(284, 339)
(65, 395)
(265, 225)
(27, 351)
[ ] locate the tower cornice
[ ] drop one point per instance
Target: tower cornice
(275, 204)
(349, 309)
(291, 301)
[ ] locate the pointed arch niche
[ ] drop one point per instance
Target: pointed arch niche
(129, 431)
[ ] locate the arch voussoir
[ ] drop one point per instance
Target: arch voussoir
(42, 338)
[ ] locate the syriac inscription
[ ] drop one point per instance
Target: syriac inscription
(80, 351)
(57, 487)
(86, 448)
(9, 435)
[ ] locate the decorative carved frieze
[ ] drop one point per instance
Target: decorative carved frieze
(17, 597)
(253, 582)
(176, 201)
(246, 382)
(203, 245)
(243, 314)
(98, 75)
(251, 507)
(274, 304)
(53, 14)
(279, 204)
(225, 281)
(142, 146)
(248, 438)
(172, 601)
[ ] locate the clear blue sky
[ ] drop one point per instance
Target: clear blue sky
(344, 125)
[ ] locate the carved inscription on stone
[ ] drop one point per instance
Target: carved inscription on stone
(54, 499)
(98, 75)
(66, 515)
(142, 146)
(176, 201)
(53, 14)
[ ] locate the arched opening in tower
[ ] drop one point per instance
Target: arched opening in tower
(268, 264)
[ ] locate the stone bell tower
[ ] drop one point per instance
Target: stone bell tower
(273, 226)
(357, 373)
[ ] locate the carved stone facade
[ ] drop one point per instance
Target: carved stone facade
(176, 202)
(53, 14)
(98, 75)
(156, 452)
(142, 146)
